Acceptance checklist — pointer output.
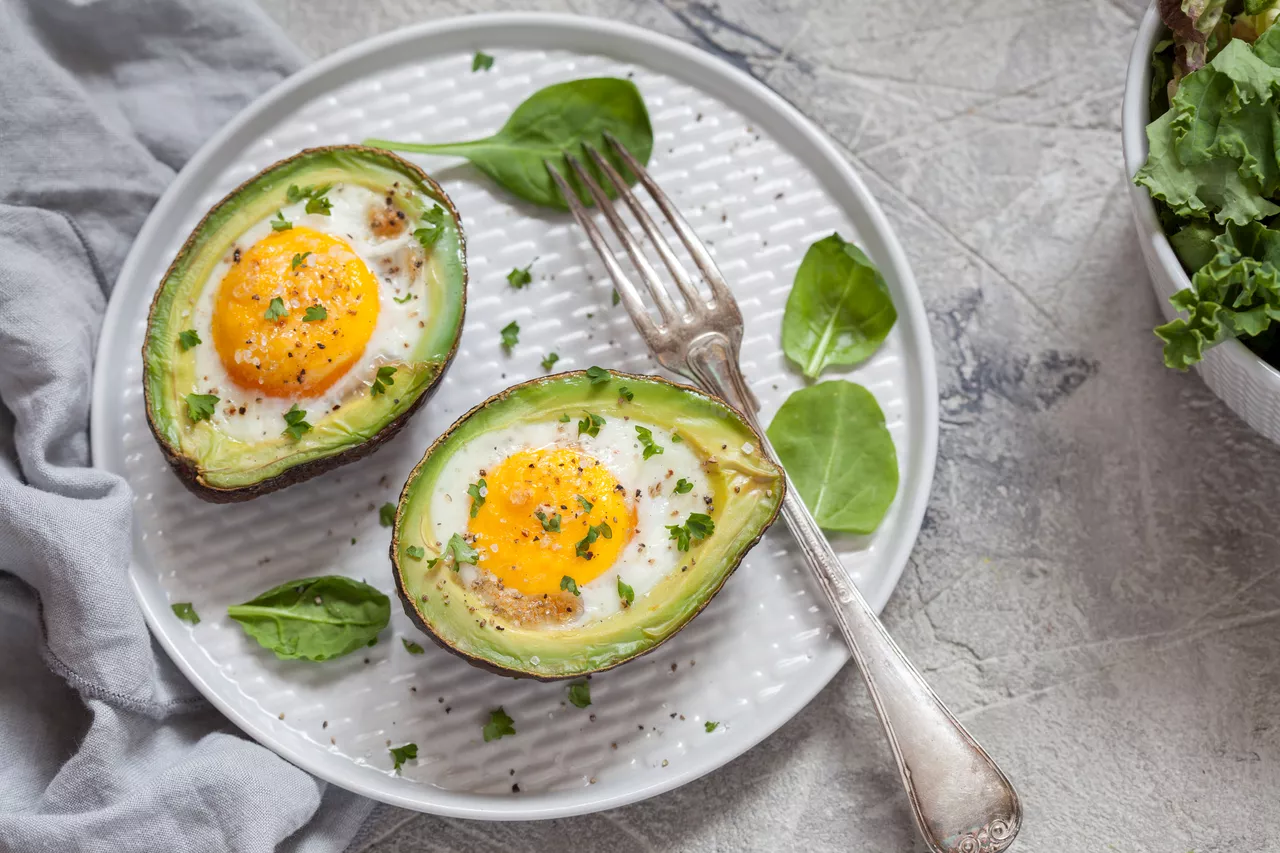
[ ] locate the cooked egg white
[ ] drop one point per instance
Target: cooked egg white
(360, 271)
(546, 468)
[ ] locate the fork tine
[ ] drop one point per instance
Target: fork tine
(670, 313)
(686, 285)
(701, 256)
(627, 291)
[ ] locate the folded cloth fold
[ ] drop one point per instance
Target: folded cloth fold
(103, 744)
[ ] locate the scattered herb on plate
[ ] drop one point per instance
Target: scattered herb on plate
(411, 647)
(510, 335)
(500, 725)
(184, 611)
(401, 754)
(520, 278)
(481, 61)
(549, 360)
(387, 514)
(580, 694)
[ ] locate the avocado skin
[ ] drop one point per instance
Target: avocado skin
(415, 616)
(185, 468)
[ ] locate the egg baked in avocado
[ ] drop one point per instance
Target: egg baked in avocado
(574, 522)
(305, 319)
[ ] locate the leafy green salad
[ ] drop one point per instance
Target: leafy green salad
(1213, 170)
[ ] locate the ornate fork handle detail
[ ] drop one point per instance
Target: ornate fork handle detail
(961, 800)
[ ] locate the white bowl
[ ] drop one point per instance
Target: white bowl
(1241, 379)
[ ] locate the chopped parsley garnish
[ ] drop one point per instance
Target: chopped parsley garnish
(411, 647)
(552, 524)
(564, 419)
(697, 526)
(586, 504)
(279, 223)
(580, 694)
(461, 551)
(710, 726)
(499, 725)
(519, 278)
(433, 226)
(626, 593)
(200, 406)
(481, 61)
(626, 393)
(646, 441)
(477, 491)
(319, 205)
(675, 438)
(297, 423)
(387, 514)
(315, 313)
(549, 360)
(401, 754)
(597, 375)
(402, 299)
(594, 532)
(383, 379)
(510, 335)
(570, 584)
(683, 486)
(296, 193)
(616, 297)
(184, 611)
(188, 339)
(416, 551)
(590, 424)
(276, 309)
(298, 259)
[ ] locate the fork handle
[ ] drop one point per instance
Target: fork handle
(961, 800)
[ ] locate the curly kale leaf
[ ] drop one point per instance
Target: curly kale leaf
(1235, 294)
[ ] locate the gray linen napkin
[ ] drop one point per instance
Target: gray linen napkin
(103, 744)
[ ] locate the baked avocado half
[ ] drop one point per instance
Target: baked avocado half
(574, 522)
(304, 320)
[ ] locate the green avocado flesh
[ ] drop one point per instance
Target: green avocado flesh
(746, 490)
(220, 467)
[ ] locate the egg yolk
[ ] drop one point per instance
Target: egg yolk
(294, 313)
(532, 493)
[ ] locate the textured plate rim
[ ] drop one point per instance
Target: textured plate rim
(811, 146)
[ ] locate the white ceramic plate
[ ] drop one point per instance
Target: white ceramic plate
(759, 183)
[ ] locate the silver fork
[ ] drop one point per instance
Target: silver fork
(961, 800)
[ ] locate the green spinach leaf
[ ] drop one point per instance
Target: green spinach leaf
(551, 123)
(314, 618)
(839, 310)
(832, 440)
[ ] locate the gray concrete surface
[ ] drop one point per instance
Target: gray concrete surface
(1095, 590)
